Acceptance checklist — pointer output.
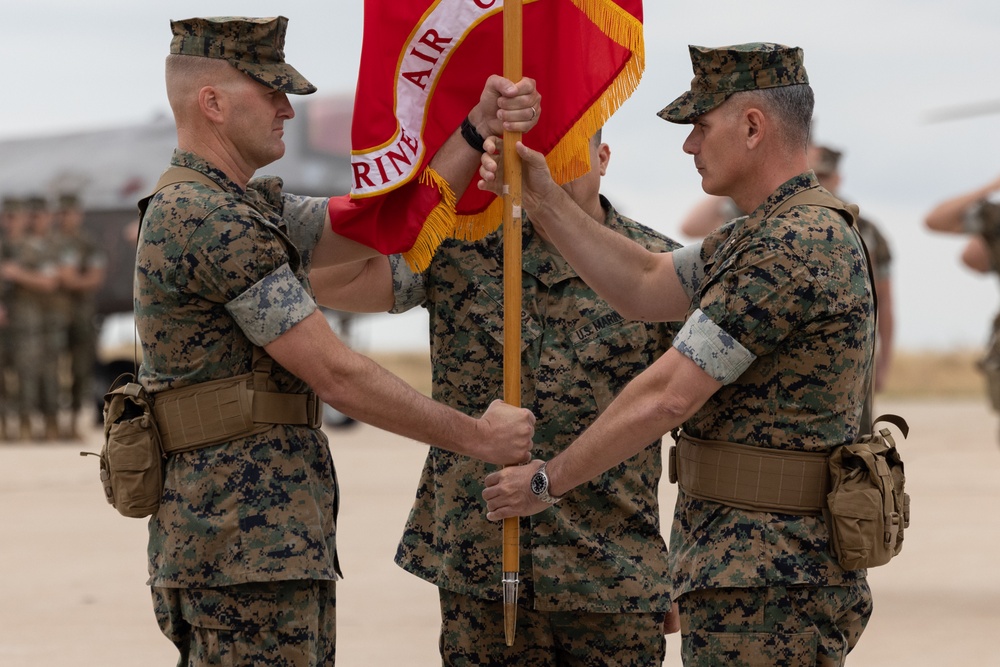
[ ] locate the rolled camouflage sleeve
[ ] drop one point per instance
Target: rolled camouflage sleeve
(690, 267)
(409, 289)
(984, 219)
(306, 219)
(272, 306)
(717, 353)
(971, 222)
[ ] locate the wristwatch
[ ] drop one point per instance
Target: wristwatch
(540, 486)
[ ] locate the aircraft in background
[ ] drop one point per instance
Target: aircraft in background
(111, 169)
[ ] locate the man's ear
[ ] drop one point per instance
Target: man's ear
(755, 124)
(210, 103)
(604, 155)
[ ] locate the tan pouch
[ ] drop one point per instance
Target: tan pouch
(131, 458)
(867, 507)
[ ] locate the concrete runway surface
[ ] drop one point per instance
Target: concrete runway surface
(73, 589)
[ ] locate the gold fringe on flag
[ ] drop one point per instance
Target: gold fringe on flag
(440, 223)
(570, 157)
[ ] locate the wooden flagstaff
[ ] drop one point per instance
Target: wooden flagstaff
(512, 59)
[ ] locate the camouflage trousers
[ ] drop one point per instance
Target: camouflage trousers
(279, 624)
(472, 635)
(793, 626)
(81, 348)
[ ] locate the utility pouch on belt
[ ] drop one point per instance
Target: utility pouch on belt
(131, 458)
(867, 508)
(141, 430)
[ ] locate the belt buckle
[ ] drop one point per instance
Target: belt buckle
(314, 410)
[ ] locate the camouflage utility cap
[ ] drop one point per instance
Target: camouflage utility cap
(69, 200)
(36, 203)
(11, 204)
(720, 72)
(255, 46)
(825, 161)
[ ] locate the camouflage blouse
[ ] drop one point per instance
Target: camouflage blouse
(218, 271)
(878, 248)
(782, 315)
(602, 549)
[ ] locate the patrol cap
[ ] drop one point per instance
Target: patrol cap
(255, 46)
(720, 72)
(35, 203)
(825, 160)
(69, 200)
(11, 204)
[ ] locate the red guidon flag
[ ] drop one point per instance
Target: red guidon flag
(423, 67)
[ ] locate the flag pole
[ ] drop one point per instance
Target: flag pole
(512, 58)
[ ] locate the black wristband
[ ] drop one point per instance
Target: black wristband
(472, 136)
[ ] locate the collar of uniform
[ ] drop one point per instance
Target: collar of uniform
(755, 220)
(547, 266)
(191, 160)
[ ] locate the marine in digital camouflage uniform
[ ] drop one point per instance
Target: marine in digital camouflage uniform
(242, 549)
(593, 580)
(777, 341)
(36, 324)
(578, 353)
(237, 519)
(977, 214)
(83, 263)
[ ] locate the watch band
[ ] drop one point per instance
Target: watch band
(472, 136)
(543, 482)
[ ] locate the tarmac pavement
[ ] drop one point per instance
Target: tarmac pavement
(73, 593)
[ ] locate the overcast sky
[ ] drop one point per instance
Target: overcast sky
(878, 69)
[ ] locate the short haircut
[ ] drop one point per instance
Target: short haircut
(186, 74)
(791, 105)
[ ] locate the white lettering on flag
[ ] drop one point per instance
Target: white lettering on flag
(444, 27)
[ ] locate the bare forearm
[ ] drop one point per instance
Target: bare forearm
(656, 401)
(368, 392)
(976, 255)
(357, 287)
(360, 388)
(83, 281)
(32, 280)
(636, 282)
(456, 162)
(703, 218)
(948, 215)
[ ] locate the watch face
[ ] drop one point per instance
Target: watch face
(539, 482)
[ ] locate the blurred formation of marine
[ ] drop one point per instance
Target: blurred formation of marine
(46, 286)
(82, 271)
(33, 274)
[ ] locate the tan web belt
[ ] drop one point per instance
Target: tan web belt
(750, 478)
(213, 412)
